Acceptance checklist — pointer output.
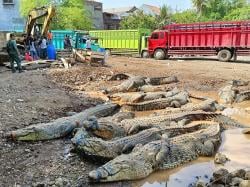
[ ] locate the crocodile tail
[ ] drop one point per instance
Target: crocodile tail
(228, 123)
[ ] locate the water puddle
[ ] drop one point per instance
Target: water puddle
(235, 145)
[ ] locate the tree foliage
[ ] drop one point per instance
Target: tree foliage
(70, 14)
(139, 20)
(200, 6)
(27, 5)
(203, 10)
(187, 16)
(165, 16)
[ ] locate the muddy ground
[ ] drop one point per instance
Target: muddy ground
(40, 96)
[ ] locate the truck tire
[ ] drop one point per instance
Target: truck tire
(224, 55)
(159, 54)
(144, 54)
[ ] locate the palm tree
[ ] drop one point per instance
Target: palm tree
(165, 15)
(200, 5)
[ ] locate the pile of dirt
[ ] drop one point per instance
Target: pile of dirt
(79, 75)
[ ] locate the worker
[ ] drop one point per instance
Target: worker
(65, 42)
(13, 54)
(88, 44)
(50, 37)
(33, 50)
(43, 47)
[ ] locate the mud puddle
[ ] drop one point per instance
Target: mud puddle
(235, 145)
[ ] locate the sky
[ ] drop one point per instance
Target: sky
(179, 4)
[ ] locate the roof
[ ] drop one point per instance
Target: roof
(151, 9)
(120, 10)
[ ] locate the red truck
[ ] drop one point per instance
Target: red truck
(227, 40)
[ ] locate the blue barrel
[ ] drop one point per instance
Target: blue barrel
(101, 50)
(51, 51)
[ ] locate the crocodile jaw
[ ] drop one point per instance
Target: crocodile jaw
(121, 168)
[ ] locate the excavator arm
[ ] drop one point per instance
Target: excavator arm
(35, 14)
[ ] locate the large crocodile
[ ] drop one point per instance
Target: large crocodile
(61, 127)
(120, 76)
(238, 83)
(227, 94)
(242, 96)
(161, 80)
(135, 97)
(160, 154)
(134, 125)
(174, 101)
(150, 88)
(129, 85)
(97, 147)
(110, 149)
(107, 128)
(208, 105)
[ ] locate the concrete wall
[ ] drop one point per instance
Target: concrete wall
(10, 18)
(95, 10)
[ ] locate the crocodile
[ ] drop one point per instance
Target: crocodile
(208, 105)
(110, 149)
(107, 128)
(120, 76)
(134, 125)
(129, 85)
(60, 127)
(174, 101)
(227, 94)
(159, 155)
(238, 83)
(135, 97)
(150, 88)
(96, 147)
(161, 80)
(242, 96)
(118, 117)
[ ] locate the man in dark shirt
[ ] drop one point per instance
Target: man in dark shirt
(13, 54)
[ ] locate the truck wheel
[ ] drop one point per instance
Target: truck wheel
(224, 55)
(145, 54)
(159, 54)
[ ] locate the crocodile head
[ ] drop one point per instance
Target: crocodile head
(90, 145)
(136, 165)
(91, 123)
(80, 136)
(123, 167)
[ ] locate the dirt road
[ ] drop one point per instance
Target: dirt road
(43, 95)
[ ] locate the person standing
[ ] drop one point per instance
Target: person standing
(88, 44)
(13, 54)
(43, 47)
(49, 37)
(33, 50)
(65, 42)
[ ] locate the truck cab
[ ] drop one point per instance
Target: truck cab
(157, 44)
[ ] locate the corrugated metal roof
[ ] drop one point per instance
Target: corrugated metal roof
(154, 9)
(120, 10)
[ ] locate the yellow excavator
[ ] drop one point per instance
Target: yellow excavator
(33, 27)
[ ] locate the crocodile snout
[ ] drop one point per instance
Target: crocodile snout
(95, 175)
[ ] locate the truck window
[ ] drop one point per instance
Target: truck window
(155, 36)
